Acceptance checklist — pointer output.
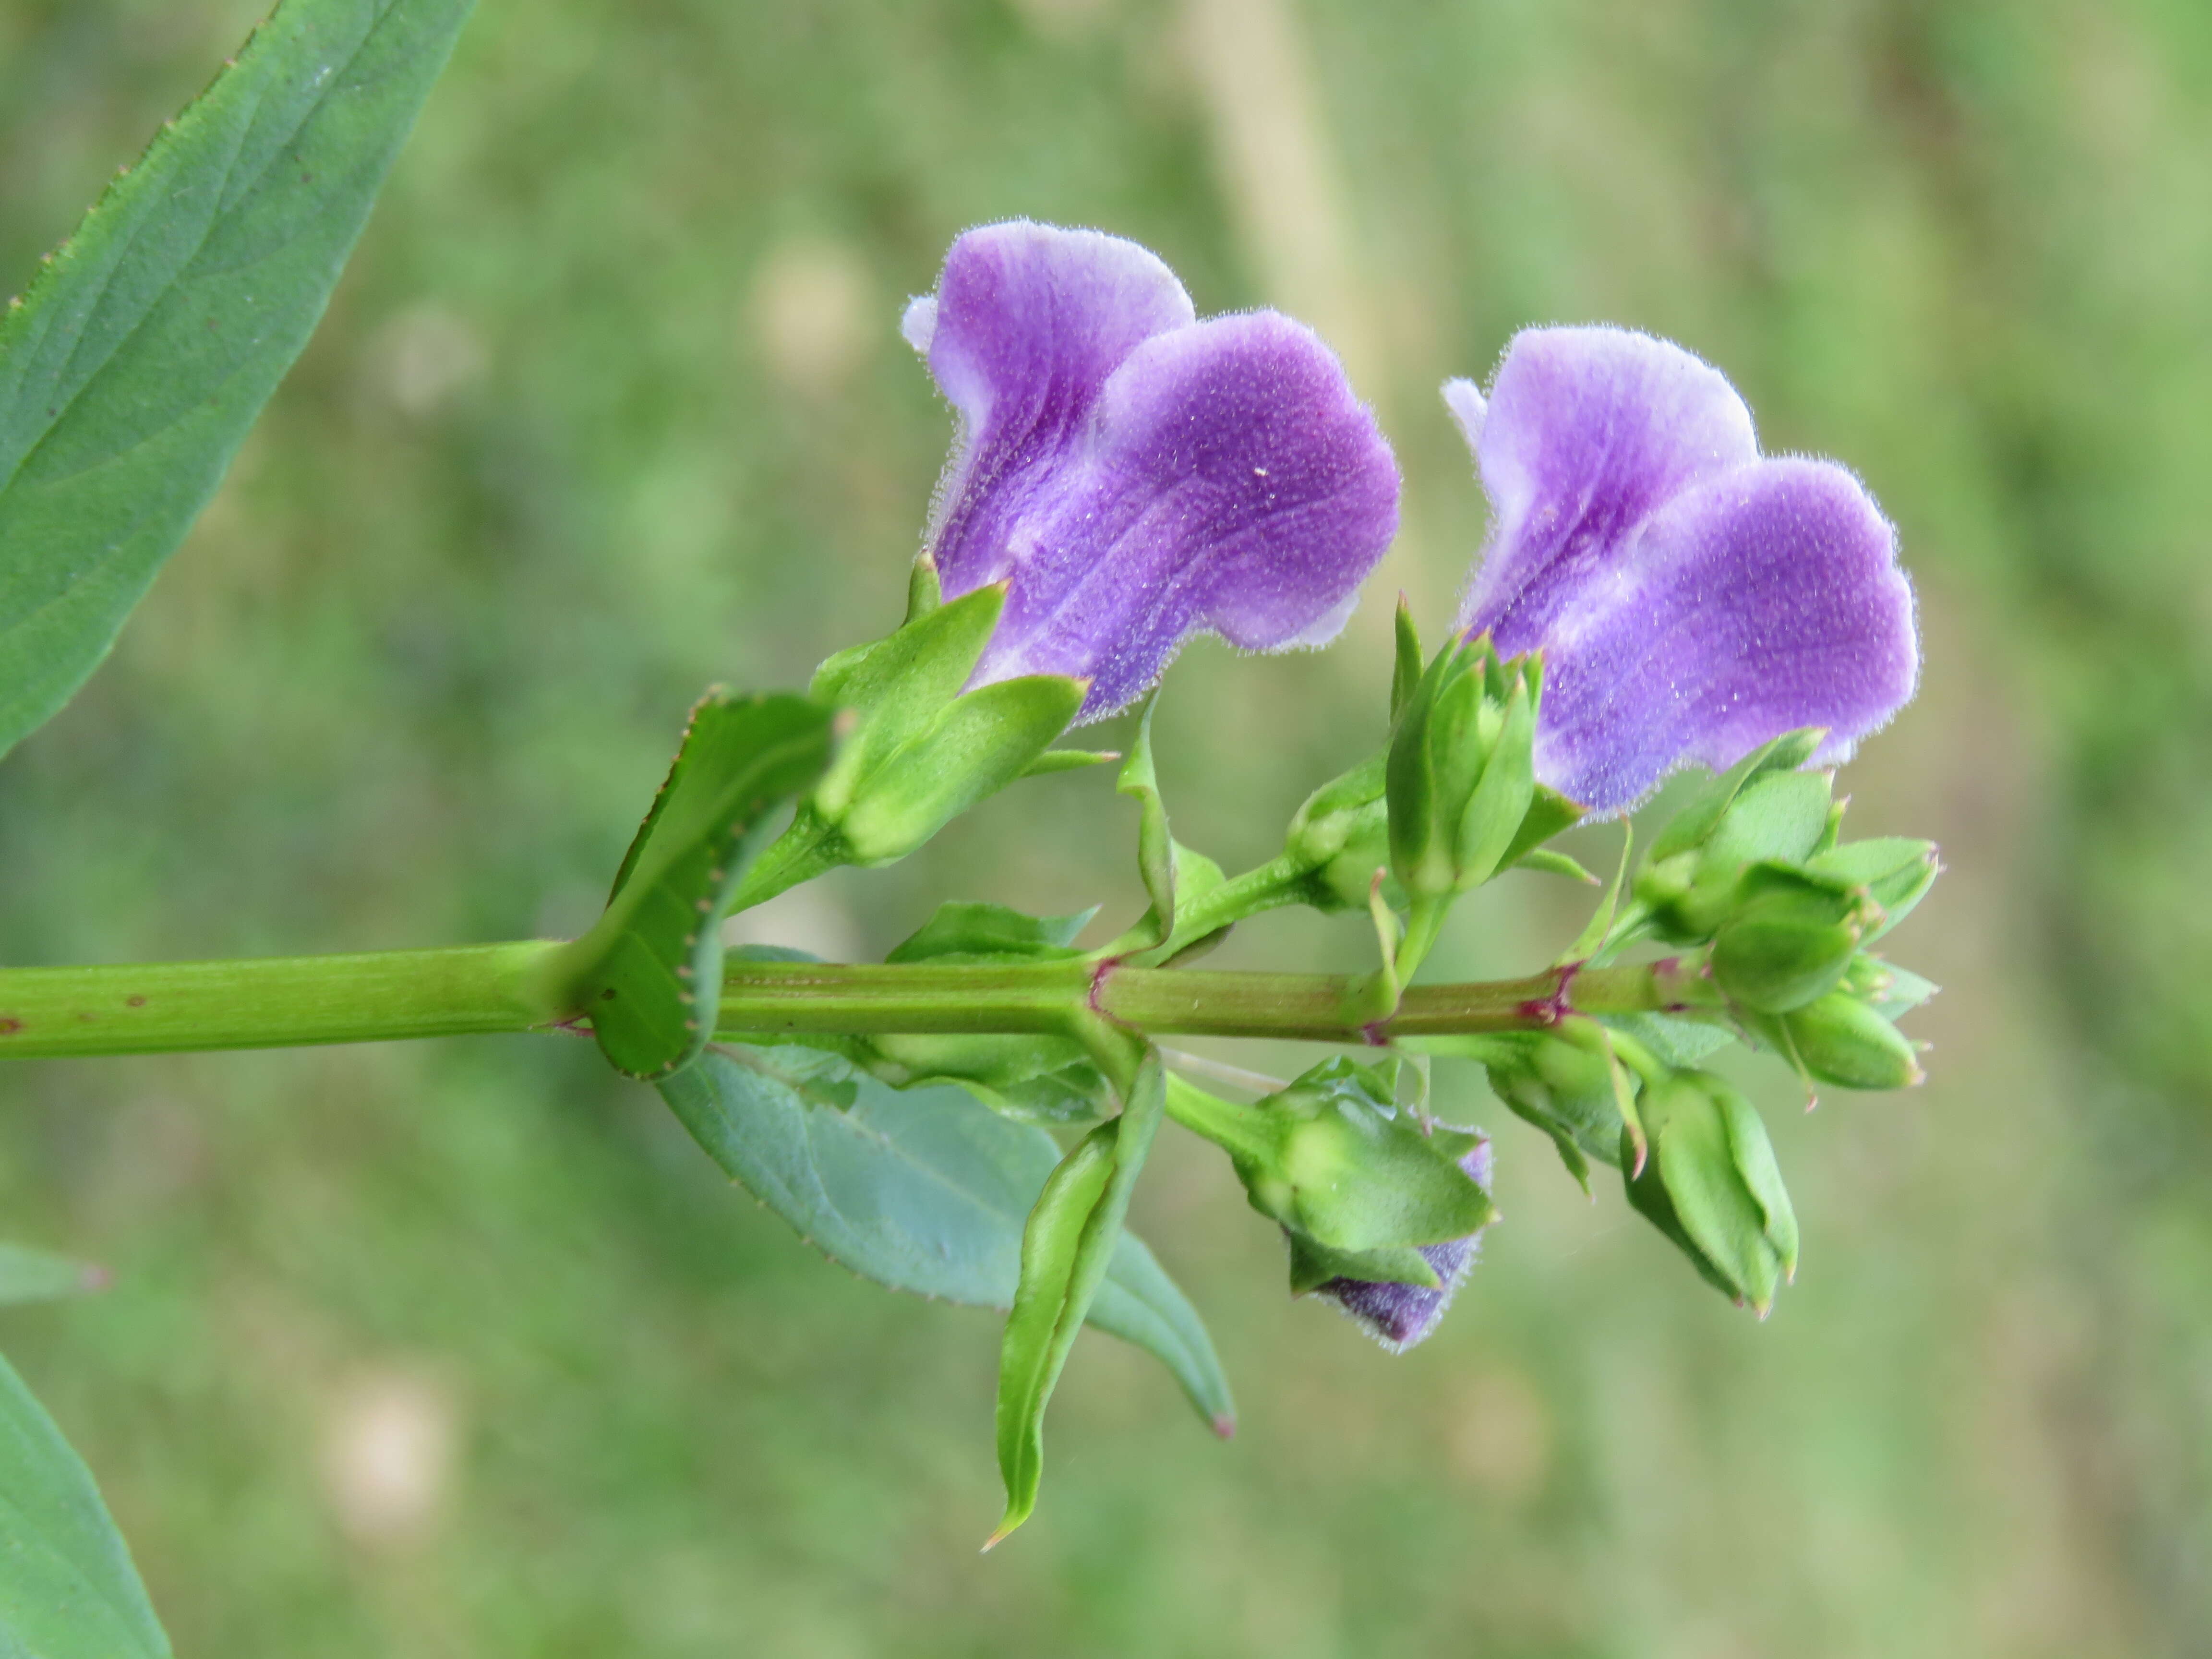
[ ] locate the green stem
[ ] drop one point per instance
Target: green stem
(274, 1002)
(280, 1002)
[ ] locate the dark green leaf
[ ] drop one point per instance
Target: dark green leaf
(144, 351)
(67, 1587)
(654, 958)
(920, 1190)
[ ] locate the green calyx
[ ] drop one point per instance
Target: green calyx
(1710, 1183)
(1338, 1164)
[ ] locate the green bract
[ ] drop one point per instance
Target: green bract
(1712, 1185)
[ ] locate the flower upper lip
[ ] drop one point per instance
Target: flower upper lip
(1136, 474)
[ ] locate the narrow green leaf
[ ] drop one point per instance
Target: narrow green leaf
(67, 1587)
(29, 1275)
(1594, 932)
(1140, 782)
(1068, 760)
(144, 351)
(1067, 1248)
(1553, 863)
(922, 1189)
(654, 958)
(1032, 1353)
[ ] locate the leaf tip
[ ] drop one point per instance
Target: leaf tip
(1225, 1426)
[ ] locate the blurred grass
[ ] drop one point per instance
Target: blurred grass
(461, 1349)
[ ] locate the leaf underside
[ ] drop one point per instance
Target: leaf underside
(67, 1587)
(921, 1189)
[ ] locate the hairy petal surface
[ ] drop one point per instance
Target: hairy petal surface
(1692, 599)
(1136, 475)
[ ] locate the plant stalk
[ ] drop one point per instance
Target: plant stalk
(291, 1001)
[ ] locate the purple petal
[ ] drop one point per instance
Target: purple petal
(1399, 1315)
(1588, 430)
(1693, 600)
(1137, 477)
(1763, 600)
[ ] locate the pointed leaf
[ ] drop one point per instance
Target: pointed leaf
(67, 1587)
(923, 1190)
(133, 369)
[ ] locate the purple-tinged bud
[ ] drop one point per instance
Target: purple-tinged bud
(1396, 1313)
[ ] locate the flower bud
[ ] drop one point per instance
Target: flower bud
(1461, 775)
(1895, 872)
(925, 751)
(1841, 1039)
(1789, 938)
(1712, 1185)
(1761, 810)
(1562, 1085)
(1336, 1162)
(1341, 836)
(1381, 1291)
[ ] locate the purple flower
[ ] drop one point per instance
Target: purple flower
(1399, 1315)
(1134, 475)
(1691, 598)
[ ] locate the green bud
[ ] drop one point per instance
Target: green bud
(1789, 938)
(1896, 872)
(1461, 778)
(1336, 1162)
(1563, 1086)
(1710, 1184)
(1841, 1039)
(1759, 812)
(982, 741)
(1341, 836)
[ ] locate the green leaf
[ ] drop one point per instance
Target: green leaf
(1695, 823)
(67, 1587)
(654, 958)
(922, 1190)
(133, 369)
(1066, 1248)
(1551, 863)
(1068, 760)
(29, 1275)
(1673, 1041)
(1156, 861)
(965, 932)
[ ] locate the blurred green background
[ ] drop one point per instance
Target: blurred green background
(462, 1349)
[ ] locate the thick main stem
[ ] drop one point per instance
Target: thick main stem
(287, 1001)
